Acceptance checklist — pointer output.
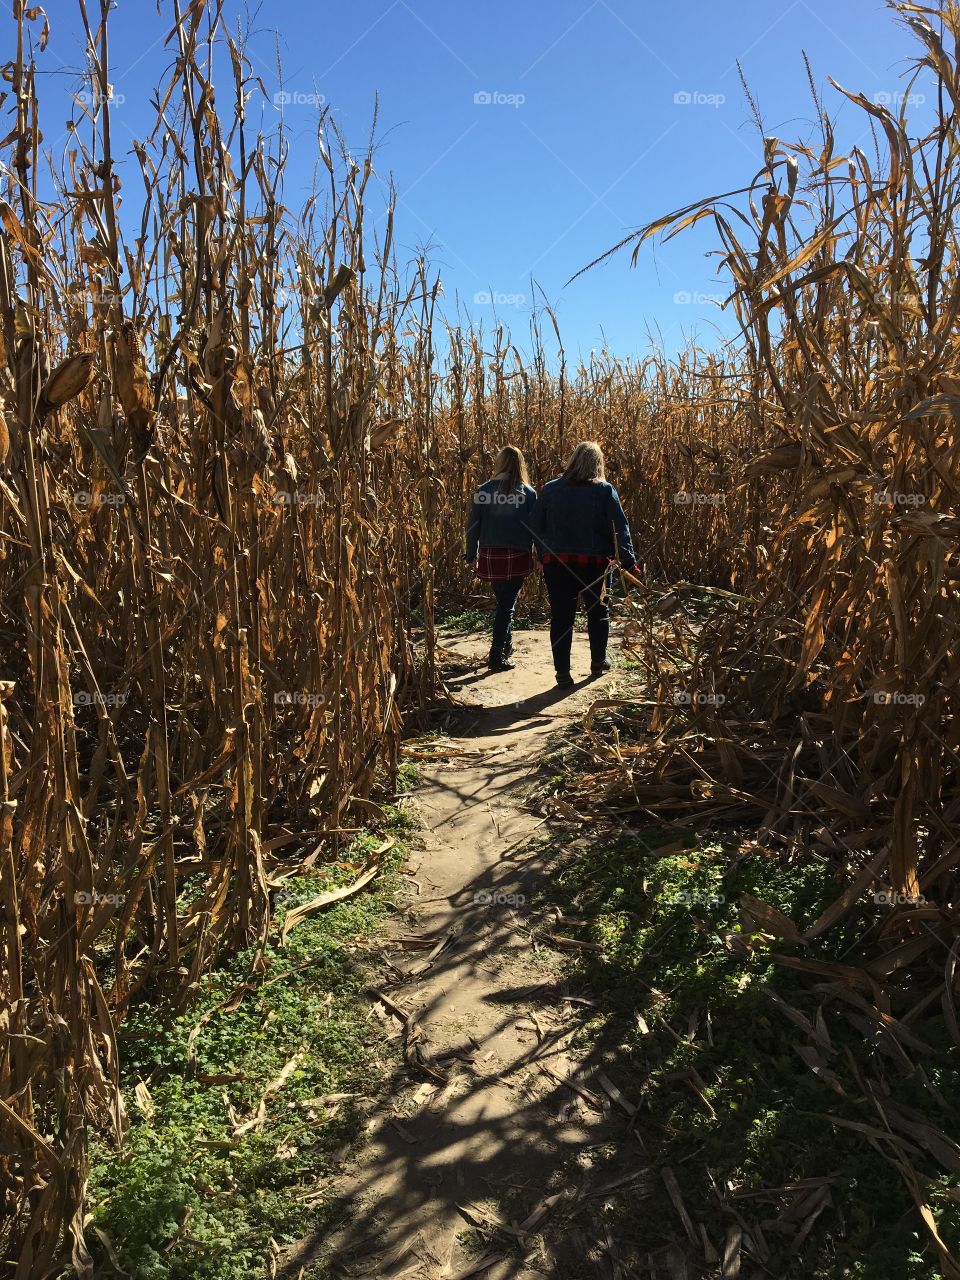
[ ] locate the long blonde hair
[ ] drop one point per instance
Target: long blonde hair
(586, 464)
(510, 468)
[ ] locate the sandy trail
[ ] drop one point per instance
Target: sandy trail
(499, 1127)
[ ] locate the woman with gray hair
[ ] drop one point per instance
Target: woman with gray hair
(580, 529)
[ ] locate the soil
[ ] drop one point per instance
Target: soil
(497, 1135)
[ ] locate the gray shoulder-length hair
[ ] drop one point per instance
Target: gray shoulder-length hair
(586, 464)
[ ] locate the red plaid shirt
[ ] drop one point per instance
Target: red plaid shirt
(498, 564)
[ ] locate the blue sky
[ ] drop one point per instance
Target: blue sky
(527, 138)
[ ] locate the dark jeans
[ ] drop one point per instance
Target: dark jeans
(565, 582)
(506, 595)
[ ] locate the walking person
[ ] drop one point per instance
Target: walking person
(500, 544)
(580, 528)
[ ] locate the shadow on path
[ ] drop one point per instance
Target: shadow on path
(491, 1113)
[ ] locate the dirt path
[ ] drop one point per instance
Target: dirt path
(498, 1127)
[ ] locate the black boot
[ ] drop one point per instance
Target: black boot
(498, 661)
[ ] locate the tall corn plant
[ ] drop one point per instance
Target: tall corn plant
(822, 698)
(847, 294)
(207, 598)
(237, 468)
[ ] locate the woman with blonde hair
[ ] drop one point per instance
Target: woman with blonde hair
(580, 529)
(500, 544)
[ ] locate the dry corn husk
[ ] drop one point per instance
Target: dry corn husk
(132, 386)
(785, 457)
(130, 377)
(262, 443)
(32, 361)
(822, 485)
(67, 380)
(386, 431)
(341, 279)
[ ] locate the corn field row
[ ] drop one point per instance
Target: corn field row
(234, 473)
(819, 698)
(238, 448)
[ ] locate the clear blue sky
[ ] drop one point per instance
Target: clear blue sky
(584, 138)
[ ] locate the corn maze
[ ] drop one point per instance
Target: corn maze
(237, 448)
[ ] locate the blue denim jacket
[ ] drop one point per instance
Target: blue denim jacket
(499, 519)
(581, 519)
